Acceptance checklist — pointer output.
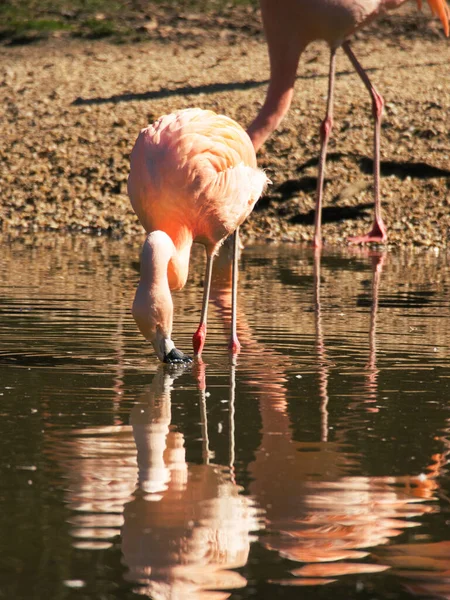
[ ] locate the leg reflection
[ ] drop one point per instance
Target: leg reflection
(317, 511)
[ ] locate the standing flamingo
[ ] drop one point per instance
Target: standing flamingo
(290, 25)
(193, 177)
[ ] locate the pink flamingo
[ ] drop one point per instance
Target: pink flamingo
(193, 177)
(290, 25)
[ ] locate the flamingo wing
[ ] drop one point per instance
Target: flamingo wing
(198, 169)
(210, 160)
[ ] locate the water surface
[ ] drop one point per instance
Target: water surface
(318, 460)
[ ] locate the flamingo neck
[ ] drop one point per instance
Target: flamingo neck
(157, 251)
(178, 267)
(153, 306)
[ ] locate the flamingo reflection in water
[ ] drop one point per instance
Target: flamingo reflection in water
(423, 567)
(183, 526)
(317, 512)
(188, 524)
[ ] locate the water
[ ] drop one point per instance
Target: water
(318, 461)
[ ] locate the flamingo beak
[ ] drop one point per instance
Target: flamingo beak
(166, 351)
(175, 356)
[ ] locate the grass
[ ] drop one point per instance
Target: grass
(28, 20)
(23, 21)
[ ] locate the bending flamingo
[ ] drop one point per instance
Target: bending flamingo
(290, 25)
(193, 177)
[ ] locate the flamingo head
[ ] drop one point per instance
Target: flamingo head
(150, 321)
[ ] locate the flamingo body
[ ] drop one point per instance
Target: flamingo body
(300, 22)
(193, 177)
(290, 26)
(294, 24)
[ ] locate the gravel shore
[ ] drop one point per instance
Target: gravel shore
(72, 111)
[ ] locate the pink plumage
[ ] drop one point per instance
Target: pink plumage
(193, 177)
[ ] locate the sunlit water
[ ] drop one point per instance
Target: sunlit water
(319, 460)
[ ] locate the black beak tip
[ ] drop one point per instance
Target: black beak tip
(177, 357)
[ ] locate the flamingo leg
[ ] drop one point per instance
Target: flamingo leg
(325, 131)
(378, 232)
(234, 346)
(198, 339)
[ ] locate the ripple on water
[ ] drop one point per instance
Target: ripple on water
(320, 455)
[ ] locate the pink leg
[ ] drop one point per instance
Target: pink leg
(198, 339)
(234, 345)
(325, 131)
(378, 232)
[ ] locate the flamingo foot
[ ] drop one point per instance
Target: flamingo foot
(234, 346)
(377, 234)
(198, 339)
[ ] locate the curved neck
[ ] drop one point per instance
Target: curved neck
(157, 251)
(164, 266)
(178, 266)
(152, 306)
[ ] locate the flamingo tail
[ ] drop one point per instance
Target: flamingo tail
(440, 9)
